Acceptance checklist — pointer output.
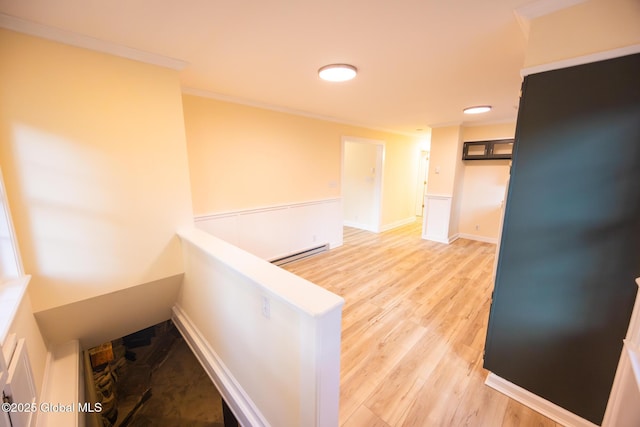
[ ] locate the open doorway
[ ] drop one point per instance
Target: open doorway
(362, 167)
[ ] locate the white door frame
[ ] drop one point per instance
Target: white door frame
(421, 189)
(378, 180)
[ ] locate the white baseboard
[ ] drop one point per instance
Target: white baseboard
(537, 403)
(335, 245)
(62, 384)
(359, 225)
(440, 239)
(485, 239)
(385, 227)
(398, 223)
(245, 411)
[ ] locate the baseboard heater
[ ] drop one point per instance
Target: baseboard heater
(299, 255)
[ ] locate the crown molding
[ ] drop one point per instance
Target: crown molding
(249, 103)
(526, 13)
(581, 60)
(481, 123)
(475, 123)
(80, 40)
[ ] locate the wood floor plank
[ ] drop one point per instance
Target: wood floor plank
(518, 415)
(413, 331)
(371, 349)
(363, 417)
(393, 397)
(439, 397)
(480, 406)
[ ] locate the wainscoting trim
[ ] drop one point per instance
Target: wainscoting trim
(224, 214)
(440, 239)
(537, 403)
(437, 214)
(274, 232)
(360, 226)
(485, 239)
(240, 403)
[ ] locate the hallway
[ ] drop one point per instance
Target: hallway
(413, 330)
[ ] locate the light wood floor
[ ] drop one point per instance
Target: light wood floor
(413, 330)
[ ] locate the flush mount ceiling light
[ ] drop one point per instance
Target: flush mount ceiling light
(478, 109)
(337, 72)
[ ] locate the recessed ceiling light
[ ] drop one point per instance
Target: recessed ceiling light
(478, 109)
(337, 72)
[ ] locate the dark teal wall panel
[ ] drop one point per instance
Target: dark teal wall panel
(570, 249)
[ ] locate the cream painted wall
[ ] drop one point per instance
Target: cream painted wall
(243, 157)
(399, 182)
(590, 27)
(445, 147)
(484, 185)
(488, 132)
(476, 188)
(93, 152)
(445, 179)
(458, 183)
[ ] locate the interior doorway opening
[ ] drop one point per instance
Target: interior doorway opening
(362, 174)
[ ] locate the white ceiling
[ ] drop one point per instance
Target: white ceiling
(420, 61)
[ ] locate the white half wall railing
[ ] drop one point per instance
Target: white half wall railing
(272, 232)
(269, 340)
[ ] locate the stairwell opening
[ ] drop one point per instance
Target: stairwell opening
(151, 378)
